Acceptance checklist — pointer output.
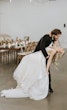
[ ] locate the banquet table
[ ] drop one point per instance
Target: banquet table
(9, 55)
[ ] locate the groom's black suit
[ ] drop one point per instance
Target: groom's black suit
(44, 42)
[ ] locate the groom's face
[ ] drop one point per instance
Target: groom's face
(56, 37)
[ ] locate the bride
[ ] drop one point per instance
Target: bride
(31, 76)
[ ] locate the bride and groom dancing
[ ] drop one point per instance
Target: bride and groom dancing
(33, 73)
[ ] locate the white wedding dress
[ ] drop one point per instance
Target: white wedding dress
(31, 77)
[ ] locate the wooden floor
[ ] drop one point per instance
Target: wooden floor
(55, 101)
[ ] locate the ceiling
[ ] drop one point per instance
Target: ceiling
(30, 1)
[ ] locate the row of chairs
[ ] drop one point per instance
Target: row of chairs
(28, 49)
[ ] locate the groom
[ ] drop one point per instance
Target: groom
(44, 42)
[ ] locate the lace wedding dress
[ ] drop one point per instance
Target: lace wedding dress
(31, 77)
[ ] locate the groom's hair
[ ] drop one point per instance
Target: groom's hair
(56, 32)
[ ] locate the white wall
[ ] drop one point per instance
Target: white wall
(23, 18)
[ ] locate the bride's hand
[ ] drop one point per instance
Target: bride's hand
(58, 49)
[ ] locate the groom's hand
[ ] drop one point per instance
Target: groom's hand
(47, 57)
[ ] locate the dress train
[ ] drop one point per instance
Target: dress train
(31, 77)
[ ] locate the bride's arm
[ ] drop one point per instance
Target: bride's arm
(53, 52)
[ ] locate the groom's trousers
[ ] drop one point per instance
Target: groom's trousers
(49, 76)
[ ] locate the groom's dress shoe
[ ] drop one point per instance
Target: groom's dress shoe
(51, 90)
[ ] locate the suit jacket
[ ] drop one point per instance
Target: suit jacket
(44, 42)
